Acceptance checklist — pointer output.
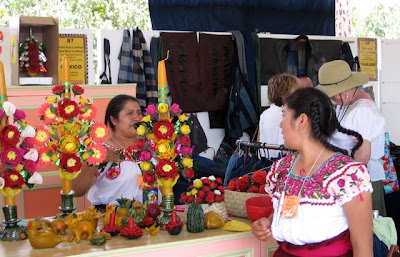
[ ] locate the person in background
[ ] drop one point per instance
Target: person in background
(321, 196)
(357, 111)
(279, 87)
(305, 81)
(117, 176)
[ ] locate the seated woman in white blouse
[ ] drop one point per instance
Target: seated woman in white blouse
(279, 87)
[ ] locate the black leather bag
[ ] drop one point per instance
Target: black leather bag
(104, 78)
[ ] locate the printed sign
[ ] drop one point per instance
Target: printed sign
(367, 55)
(75, 47)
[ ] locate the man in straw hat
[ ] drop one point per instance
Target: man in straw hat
(357, 111)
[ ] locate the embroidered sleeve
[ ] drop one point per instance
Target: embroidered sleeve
(271, 179)
(349, 182)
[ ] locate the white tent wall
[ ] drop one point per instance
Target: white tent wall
(390, 87)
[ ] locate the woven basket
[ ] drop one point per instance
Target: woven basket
(218, 208)
(236, 202)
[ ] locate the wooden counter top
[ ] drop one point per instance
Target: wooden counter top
(121, 246)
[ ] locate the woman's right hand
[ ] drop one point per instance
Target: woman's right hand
(112, 156)
(262, 229)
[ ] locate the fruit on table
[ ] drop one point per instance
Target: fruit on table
(195, 218)
(213, 220)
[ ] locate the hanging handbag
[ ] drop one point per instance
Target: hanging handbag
(104, 79)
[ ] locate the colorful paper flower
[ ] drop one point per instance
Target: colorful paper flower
(175, 109)
(13, 179)
(19, 115)
(45, 156)
(164, 149)
(68, 109)
(77, 90)
(163, 129)
(9, 108)
(97, 154)
(30, 166)
(70, 163)
(47, 113)
(98, 132)
(88, 112)
(28, 131)
(151, 109)
(11, 157)
(69, 144)
(163, 107)
(166, 169)
(10, 136)
(185, 129)
(58, 90)
(42, 136)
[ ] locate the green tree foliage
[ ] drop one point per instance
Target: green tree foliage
(382, 21)
(82, 14)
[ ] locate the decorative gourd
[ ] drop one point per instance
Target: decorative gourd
(214, 220)
(195, 218)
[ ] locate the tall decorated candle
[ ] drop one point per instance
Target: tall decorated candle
(66, 184)
(163, 90)
(3, 93)
(66, 77)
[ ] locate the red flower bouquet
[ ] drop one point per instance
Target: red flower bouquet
(251, 183)
(18, 158)
(205, 190)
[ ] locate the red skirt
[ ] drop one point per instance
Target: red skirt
(339, 246)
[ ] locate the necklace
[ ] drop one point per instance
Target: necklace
(302, 171)
(118, 143)
(343, 113)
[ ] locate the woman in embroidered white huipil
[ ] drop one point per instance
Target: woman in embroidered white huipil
(357, 111)
(321, 197)
(117, 177)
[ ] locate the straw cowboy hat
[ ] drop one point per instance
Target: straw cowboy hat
(335, 77)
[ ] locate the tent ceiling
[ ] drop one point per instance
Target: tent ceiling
(302, 17)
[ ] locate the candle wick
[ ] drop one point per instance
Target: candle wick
(167, 56)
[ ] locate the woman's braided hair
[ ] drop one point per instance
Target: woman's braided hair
(318, 107)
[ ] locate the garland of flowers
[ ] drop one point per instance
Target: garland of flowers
(31, 55)
(18, 157)
(167, 140)
(70, 135)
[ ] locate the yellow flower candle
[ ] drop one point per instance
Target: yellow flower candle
(162, 87)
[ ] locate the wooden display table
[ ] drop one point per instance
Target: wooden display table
(211, 242)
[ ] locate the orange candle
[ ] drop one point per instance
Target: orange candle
(66, 77)
(66, 186)
(3, 90)
(162, 81)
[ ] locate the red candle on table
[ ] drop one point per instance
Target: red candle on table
(112, 219)
(131, 222)
(173, 215)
